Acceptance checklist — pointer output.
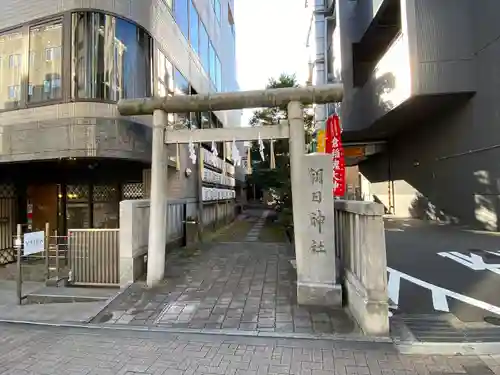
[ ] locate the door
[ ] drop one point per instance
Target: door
(43, 200)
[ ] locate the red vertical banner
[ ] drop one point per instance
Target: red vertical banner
(328, 135)
(338, 157)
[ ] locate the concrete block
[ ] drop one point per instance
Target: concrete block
(370, 310)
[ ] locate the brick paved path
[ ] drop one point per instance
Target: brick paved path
(246, 286)
(48, 350)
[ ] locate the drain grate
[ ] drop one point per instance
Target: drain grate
(448, 328)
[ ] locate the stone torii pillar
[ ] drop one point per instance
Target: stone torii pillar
(294, 98)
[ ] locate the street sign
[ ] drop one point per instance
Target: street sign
(34, 242)
(354, 152)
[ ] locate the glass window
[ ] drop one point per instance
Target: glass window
(46, 68)
(12, 47)
(195, 120)
(111, 58)
(14, 61)
(211, 57)
(165, 75)
(181, 88)
(77, 207)
(14, 92)
(105, 204)
(52, 53)
(193, 26)
(217, 9)
(181, 16)
(205, 120)
(204, 48)
(218, 74)
(181, 84)
(230, 19)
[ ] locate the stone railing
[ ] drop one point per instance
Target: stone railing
(134, 230)
(134, 235)
(360, 249)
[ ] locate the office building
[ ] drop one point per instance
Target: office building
(66, 156)
(421, 87)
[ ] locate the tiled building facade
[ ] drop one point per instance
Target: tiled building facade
(66, 155)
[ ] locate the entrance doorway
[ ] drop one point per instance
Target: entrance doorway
(42, 206)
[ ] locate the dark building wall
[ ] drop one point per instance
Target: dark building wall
(446, 166)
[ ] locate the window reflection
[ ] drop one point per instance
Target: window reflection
(45, 62)
(205, 61)
(217, 9)
(165, 75)
(205, 120)
(111, 58)
(181, 16)
(12, 51)
(218, 74)
(181, 88)
(211, 57)
(193, 26)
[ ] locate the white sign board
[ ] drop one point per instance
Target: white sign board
(34, 242)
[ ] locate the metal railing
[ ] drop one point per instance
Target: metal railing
(94, 257)
(7, 230)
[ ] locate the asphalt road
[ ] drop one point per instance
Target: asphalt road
(433, 268)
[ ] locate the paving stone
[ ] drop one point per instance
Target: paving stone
(247, 286)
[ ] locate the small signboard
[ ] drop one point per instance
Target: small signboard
(34, 242)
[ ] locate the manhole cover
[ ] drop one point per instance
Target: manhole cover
(495, 320)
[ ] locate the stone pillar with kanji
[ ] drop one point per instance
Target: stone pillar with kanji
(316, 262)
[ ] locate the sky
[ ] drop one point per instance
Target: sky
(270, 40)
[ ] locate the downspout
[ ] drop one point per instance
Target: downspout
(327, 19)
(321, 56)
(319, 62)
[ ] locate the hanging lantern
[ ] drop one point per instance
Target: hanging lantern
(261, 148)
(236, 154)
(249, 160)
(224, 145)
(272, 161)
(214, 153)
(177, 157)
(192, 152)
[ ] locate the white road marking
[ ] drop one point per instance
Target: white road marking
(473, 261)
(393, 286)
(439, 294)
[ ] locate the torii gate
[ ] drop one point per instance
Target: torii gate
(310, 174)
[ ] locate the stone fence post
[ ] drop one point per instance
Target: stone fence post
(360, 242)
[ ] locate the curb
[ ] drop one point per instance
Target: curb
(448, 348)
(106, 304)
(254, 334)
(403, 347)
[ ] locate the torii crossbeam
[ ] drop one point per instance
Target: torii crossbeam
(293, 98)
